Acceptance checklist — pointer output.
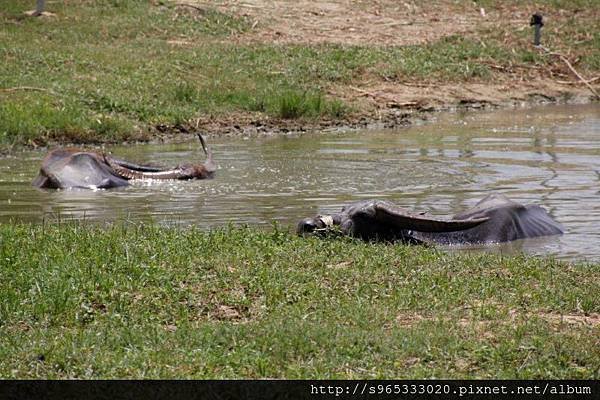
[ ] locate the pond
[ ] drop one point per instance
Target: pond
(549, 155)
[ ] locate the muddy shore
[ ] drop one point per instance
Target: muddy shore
(388, 118)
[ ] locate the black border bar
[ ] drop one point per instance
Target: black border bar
(299, 389)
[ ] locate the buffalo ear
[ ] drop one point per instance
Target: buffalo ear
(389, 214)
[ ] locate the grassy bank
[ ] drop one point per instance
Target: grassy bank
(141, 301)
(107, 71)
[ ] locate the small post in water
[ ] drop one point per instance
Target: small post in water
(537, 23)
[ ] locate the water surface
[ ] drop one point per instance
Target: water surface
(548, 155)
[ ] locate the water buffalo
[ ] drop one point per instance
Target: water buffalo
(75, 168)
(494, 219)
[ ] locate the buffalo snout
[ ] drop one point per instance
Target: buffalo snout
(309, 225)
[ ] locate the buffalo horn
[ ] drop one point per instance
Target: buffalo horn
(406, 220)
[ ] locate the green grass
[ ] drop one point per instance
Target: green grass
(111, 70)
(143, 301)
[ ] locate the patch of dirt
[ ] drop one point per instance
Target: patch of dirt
(410, 361)
(225, 312)
(362, 22)
(340, 265)
(592, 320)
(409, 319)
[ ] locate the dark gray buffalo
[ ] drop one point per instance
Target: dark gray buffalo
(75, 168)
(494, 219)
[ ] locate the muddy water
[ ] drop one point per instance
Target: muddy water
(549, 155)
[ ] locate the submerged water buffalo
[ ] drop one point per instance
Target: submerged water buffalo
(75, 168)
(494, 219)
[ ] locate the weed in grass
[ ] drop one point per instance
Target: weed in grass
(185, 92)
(295, 104)
(104, 103)
(111, 128)
(292, 105)
(337, 109)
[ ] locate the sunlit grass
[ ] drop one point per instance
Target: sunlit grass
(143, 301)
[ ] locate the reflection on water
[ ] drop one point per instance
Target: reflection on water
(549, 155)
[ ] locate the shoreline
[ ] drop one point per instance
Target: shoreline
(252, 126)
(390, 118)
